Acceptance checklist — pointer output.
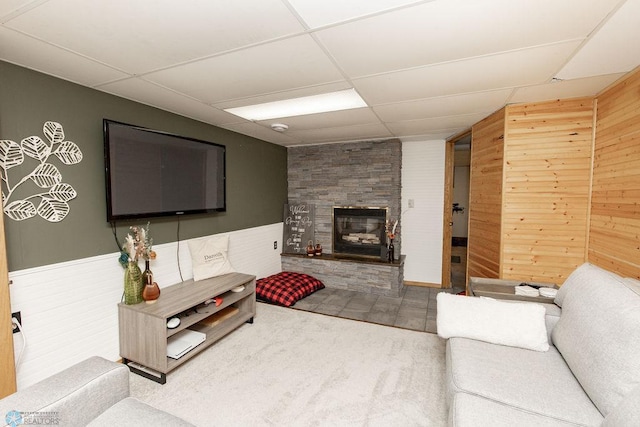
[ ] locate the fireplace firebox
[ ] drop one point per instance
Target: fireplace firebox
(359, 231)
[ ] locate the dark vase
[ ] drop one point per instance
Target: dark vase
(147, 274)
(390, 251)
(151, 292)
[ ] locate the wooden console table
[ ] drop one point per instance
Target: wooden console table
(505, 289)
(143, 327)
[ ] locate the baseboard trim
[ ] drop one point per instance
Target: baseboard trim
(423, 284)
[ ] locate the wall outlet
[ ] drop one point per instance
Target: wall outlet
(18, 317)
(275, 244)
(411, 203)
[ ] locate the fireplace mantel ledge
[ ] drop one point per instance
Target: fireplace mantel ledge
(350, 259)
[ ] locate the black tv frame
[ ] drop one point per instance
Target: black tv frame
(111, 217)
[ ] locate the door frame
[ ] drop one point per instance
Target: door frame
(447, 217)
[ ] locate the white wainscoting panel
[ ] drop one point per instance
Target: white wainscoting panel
(69, 310)
(423, 184)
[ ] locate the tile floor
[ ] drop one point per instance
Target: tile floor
(415, 309)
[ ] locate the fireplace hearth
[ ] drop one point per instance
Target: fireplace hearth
(359, 231)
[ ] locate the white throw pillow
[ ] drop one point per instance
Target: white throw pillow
(209, 257)
(497, 322)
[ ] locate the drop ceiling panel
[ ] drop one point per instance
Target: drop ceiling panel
(263, 133)
(289, 94)
(428, 125)
(443, 106)
(31, 53)
(340, 134)
(517, 68)
(138, 36)
(588, 86)
(148, 93)
(356, 116)
(280, 66)
(597, 56)
(437, 136)
(318, 14)
(442, 31)
(9, 7)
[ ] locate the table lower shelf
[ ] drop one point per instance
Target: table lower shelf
(213, 334)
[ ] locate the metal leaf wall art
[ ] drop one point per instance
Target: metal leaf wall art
(53, 201)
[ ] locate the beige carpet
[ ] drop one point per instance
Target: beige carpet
(295, 368)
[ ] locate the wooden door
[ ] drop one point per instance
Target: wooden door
(7, 363)
(485, 197)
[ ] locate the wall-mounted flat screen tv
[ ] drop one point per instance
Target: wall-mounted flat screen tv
(151, 173)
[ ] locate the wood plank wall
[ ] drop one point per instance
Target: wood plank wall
(547, 172)
(614, 234)
(485, 196)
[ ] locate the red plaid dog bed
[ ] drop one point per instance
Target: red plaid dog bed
(286, 288)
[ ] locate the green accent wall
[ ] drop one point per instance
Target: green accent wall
(256, 171)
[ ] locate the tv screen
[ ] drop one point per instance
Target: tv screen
(153, 173)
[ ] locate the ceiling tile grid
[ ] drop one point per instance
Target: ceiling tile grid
(427, 69)
(253, 71)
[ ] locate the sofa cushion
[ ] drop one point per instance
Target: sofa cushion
(469, 410)
(633, 284)
(530, 381)
(598, 335)
(132, 412)
(498, 322)
(626, 413)
(586, 273)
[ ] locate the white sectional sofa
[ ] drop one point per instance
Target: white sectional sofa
(589, 376)
(94, 392)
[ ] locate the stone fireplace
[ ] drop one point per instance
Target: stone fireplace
(359, 231)
(359, 174)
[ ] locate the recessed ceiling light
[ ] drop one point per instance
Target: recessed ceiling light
(333, 101)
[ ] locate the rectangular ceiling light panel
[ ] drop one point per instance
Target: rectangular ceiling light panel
(333, 101)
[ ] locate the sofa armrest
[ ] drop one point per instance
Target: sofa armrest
(75, 395)
(132, 412)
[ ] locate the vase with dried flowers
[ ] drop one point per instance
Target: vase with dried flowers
(137, 244)
(390, 228)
